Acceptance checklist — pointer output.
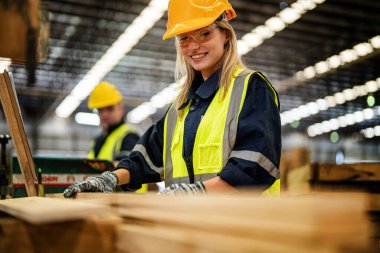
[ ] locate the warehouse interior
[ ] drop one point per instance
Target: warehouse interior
(322, 57)
(315, 62)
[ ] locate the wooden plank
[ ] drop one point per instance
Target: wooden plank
(13, 115)
(37, 210)
(349, 172)
(82, 236)
(340, 222)
(147, 239)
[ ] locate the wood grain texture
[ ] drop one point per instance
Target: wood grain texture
(37, 210)
(349, 172)
(81, 236)
(16, 126)
(336, 223)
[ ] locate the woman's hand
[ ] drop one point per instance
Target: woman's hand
(106, 182)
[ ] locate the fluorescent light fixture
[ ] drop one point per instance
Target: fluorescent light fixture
(160, 100)
(375, 42)
(335, 61)
(348, 55)
(309, 72)
(289, 15)
(322, 67)
(362, 49)
(275, 24)
(338, 98)
(126, 41)
(371, 131)
(342, 121)
(85, 118)
(4, 64)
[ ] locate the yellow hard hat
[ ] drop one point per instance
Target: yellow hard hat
(104, 94)
(188, 15)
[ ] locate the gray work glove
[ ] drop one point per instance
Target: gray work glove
(184, 189)
(106, 182)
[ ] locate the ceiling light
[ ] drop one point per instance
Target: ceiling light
(348, 55)
(311, 131)
(377, 130)
(330, 101)
(368, 113)
(350, 119)
(141, 112)
(318, 1)
(299, 76)
(326, 126)
(67, 106)
(126, 41)
(334, 61)
(349, 94)
(289, 15)
(312, 107)
(362, 49)
(322, 67)
(252, 40)
(334, 124)
(243, 47)
(375, 41)
(275, 24)
(369, 132)
(322, 104)
(343, 121)
(264, 31)
(339, 98)
(309, 72)
(371, 86)
(85, 118)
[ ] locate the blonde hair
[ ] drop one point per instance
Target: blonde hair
(229, 62)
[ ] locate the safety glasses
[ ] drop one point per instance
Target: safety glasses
(200, 36)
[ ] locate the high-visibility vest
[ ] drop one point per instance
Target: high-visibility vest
(112, 147)
(215, 137)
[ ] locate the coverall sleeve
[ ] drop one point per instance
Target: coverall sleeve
(145, 162)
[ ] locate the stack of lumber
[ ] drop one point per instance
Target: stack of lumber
(319, 178)
(235, 223)
(331, 177)
(241, 223)
(36, 225)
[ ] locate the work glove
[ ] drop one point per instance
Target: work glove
(184, 189)
(106, 182)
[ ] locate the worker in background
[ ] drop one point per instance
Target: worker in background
(223, 131)
(117, 138)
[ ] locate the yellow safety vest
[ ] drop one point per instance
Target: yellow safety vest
(214, 139)
(112, 147)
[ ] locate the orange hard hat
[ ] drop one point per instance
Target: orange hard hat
(104, 94)
(189, 15)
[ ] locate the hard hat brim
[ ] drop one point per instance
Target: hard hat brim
(188, 26)
(194, 24)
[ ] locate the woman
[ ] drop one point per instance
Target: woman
(223, 131)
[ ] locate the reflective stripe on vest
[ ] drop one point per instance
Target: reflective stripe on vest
(112, 146)
(215, 138)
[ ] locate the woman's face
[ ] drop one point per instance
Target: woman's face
(203, 48)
